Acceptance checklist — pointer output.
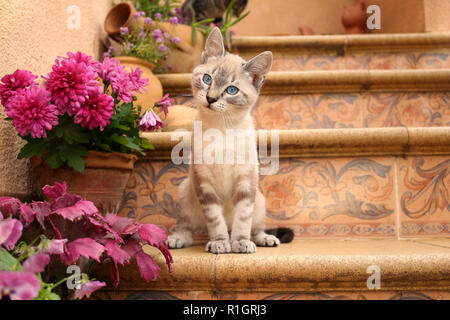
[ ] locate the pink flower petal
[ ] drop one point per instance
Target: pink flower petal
(56, 191)
(27, 214)
(19, 285)
(116, 252)
(36, 263)
(80, 208)
(9, 206)
(152, 234)
(88, 288)
(105, 227)
(55, 247)
(86, 247)
(41, 210)
(147, 266)
(10, 232)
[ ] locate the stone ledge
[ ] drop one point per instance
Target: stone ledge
(339, 44)
(301, 266)
(301, 143)
(295, 82)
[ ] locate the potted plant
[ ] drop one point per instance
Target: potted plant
(182, 38)
(40, 240)
(82, 126)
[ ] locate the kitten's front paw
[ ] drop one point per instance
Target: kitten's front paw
(267, 240)
(243, 246)
(218, 246)
(177, 241)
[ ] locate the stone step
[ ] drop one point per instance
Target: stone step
(348, 183)
(302, 269)
(343, 99)
(347, 52)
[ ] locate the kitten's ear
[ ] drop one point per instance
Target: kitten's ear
(258, 67)
(214, 46)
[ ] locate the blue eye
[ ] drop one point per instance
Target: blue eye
(207, 79)
(232, 90)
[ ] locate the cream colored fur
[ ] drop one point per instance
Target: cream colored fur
(225, 198)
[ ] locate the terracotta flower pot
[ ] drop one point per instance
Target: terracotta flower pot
(354, 18)
(186, 56)
(120, 16)
(154, 90)
(102, 182)
(179, 117)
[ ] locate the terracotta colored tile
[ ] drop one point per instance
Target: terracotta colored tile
(298, 62)
(386, 61)
(406, 109)
(424, 199)
(429, 60)
(152, 192)
(307, 111)
(332, 197)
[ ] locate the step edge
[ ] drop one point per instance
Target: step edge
(294, 82)
(339, 44)
(286, 273)
(329, 142)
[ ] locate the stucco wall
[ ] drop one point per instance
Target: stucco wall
(283, 17)
(32, 34)
(437, 15)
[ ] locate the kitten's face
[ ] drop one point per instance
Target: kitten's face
(221, 85)
(226, 82)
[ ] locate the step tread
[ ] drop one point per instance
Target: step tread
(303, 265)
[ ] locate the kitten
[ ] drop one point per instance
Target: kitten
(211, 9)
(223, 197)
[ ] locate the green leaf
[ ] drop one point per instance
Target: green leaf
(125, 141)
(73, 155)
(54, 160)
(33, 147)
(105, 147)
(76, 134)
(147, 144)
(45, 294)
(8, 262)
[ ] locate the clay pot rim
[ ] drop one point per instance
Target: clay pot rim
(136, 60)
(99, 159)
(117, 7)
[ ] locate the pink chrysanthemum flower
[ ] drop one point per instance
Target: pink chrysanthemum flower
(124, 84)
(138, 84)
(109, 69)
(71, 82)
(15, 83)
(96, 111)
(150, 122)
(81, 57)
(32, 112)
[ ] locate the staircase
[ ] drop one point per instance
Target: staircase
(363, 179)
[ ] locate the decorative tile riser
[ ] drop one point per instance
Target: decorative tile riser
(381, 197)
(209, 295)
(349, 110)
(358, 61)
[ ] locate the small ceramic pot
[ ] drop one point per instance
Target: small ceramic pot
(120, 16)
(354, 18)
